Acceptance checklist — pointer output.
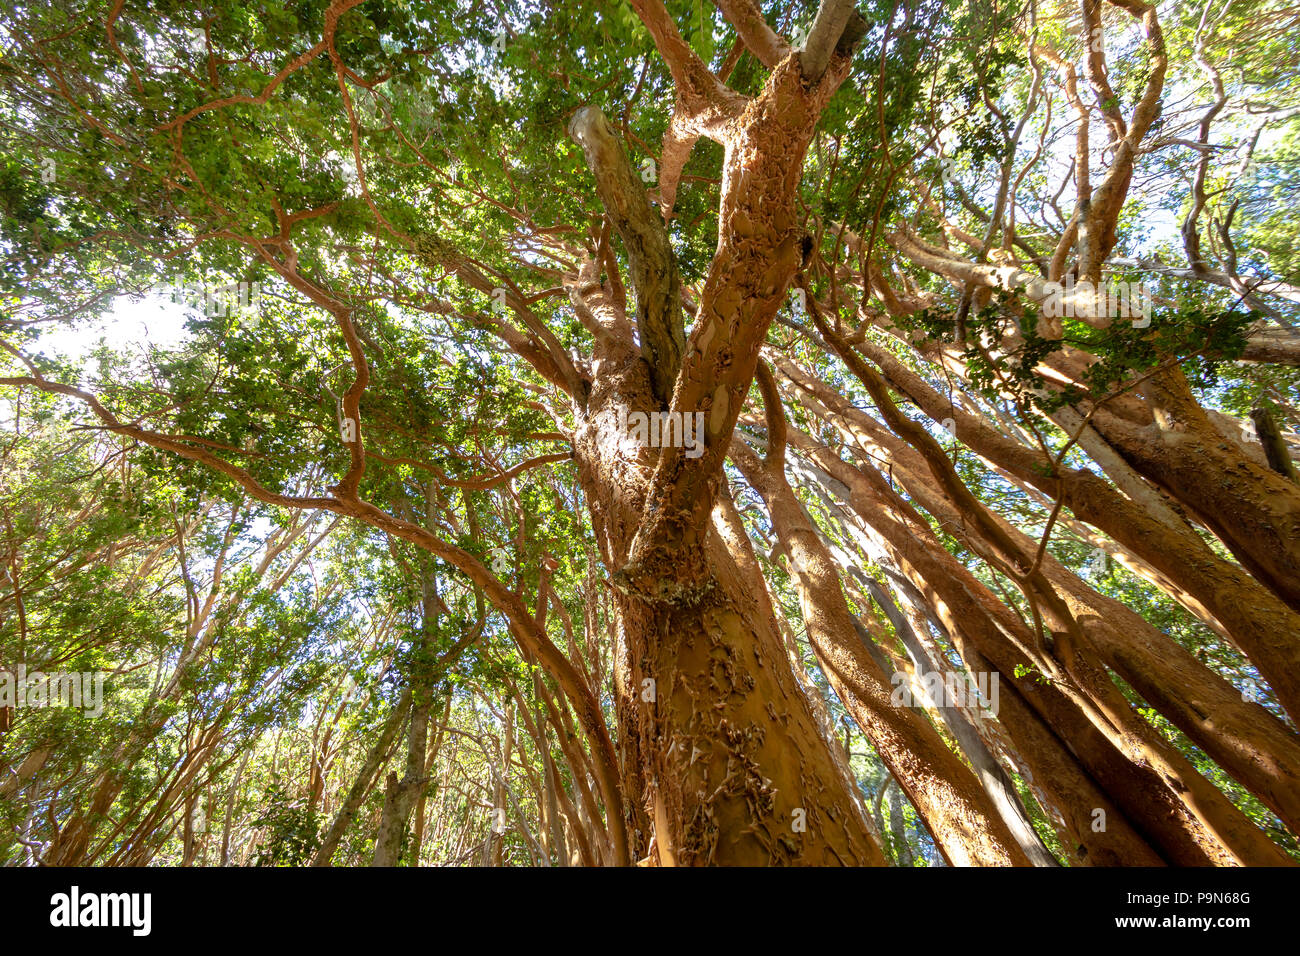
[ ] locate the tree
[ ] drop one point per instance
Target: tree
(491, 285)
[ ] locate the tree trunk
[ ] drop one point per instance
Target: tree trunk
(361, 785)
(400, 795)
(964, 822)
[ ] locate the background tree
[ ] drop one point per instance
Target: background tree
(429, 600)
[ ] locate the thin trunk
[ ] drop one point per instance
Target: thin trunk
(361, 785)
(963, 820)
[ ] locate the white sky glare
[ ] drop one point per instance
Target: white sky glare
(152, 320)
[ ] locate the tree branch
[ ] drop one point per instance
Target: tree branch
(838, 26)
(760, 39)
(653, 265)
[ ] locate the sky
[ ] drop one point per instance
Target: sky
(154, 319)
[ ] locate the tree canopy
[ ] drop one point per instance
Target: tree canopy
(674, 432)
